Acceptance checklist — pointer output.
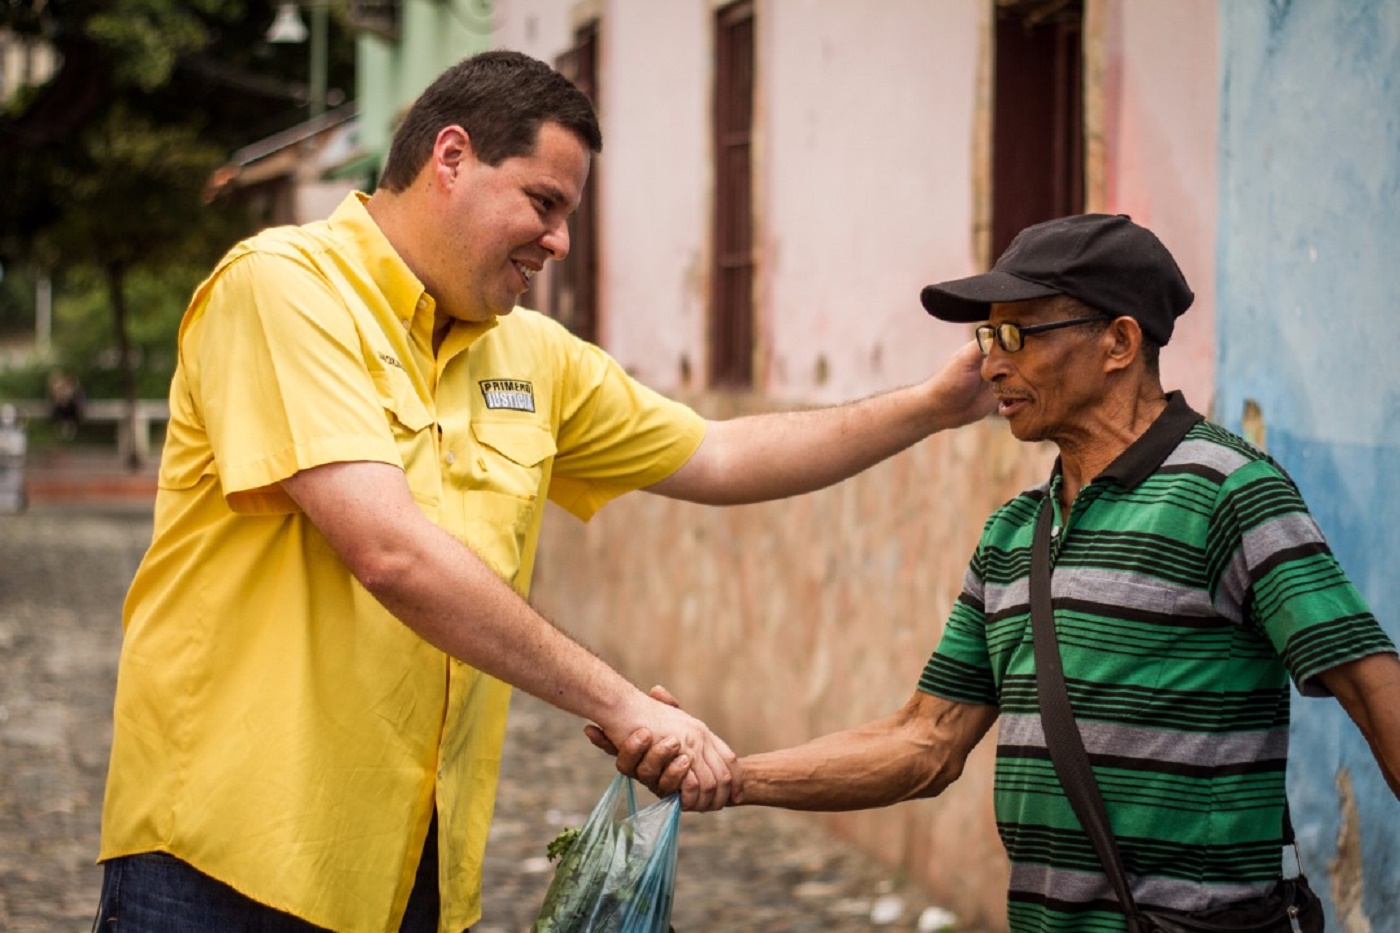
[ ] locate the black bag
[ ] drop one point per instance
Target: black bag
(1289, 907)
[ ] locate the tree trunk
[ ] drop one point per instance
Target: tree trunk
(116, 293)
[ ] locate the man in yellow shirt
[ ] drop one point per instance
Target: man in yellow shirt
(320, 642)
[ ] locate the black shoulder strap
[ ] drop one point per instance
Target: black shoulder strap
(1062, 738)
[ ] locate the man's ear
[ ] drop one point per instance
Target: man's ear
(1124, 335)
(452, 152)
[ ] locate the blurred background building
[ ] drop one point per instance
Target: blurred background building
(778, 181)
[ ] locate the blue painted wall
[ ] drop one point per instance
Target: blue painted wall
(1308, 316)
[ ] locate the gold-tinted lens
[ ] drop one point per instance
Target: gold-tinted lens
(1009, 336)
(985, 335)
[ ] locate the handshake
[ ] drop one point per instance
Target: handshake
(673, 751)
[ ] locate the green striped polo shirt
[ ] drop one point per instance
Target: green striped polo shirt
(1189, 583)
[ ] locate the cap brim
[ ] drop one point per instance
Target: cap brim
(969, 300)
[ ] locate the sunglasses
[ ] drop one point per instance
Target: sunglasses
(1011, 337)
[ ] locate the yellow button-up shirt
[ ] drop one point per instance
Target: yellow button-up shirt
(275, 726)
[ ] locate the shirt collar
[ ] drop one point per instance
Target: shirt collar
(353, 223)
(1146, 454)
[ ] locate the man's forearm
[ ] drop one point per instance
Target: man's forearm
(489, 626)
(770, 456)
(449, 597)
(836, 772)
(917, 752)
(1369, 690)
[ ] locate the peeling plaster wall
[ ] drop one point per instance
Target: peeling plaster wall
(779, 622)
(1308, 279)
(655, 186)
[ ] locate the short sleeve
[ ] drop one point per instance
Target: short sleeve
(1281, 578)
(615, 434)
(960, 668)
(279, 377)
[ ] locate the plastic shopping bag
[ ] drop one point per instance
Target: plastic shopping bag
(618, 875)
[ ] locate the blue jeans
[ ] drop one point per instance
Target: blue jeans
(158, 893)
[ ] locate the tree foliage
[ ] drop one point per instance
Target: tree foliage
(107, 160)
(113, 152)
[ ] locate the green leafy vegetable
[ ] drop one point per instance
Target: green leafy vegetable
(560, 843)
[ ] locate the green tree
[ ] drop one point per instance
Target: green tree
(107, 161)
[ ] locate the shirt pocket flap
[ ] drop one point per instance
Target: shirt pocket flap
(526, 443)
(397, 395)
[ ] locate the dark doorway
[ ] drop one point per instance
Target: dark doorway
(1038, 115)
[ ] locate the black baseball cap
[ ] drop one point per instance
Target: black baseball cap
(1105, 260)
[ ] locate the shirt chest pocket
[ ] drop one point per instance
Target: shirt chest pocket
(510, 457)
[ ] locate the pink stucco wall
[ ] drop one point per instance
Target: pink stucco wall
(780, 622)
(864, 175)
(865, 190)
(542, 28)
(863, 183)
(1161, 115)
(655, 183)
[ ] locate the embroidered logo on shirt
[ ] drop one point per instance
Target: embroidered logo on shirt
(514, 394)
(391, 361)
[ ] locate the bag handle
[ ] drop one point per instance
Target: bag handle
(1062, 737)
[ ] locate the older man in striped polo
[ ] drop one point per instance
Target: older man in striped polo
(1188, 583)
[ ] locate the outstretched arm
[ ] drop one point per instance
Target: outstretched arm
(1369, 690)
(770, 456)
(917, 752)
(439, 588)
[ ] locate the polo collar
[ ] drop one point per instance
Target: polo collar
(1146, 454)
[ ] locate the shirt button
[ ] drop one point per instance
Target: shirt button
(451, 458)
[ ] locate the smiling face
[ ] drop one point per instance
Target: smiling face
(495, 225)
(1054, 386)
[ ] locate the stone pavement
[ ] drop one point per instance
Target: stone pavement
(63, 572)
(64, 567)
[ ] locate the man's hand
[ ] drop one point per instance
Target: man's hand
(961, 396)
(662, 766)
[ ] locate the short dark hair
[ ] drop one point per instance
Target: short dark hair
(500, 98)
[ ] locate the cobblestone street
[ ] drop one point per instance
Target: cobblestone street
(63, 573)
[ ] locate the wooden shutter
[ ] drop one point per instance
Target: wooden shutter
(573, 283)
(1038, 115)
(731, 316)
